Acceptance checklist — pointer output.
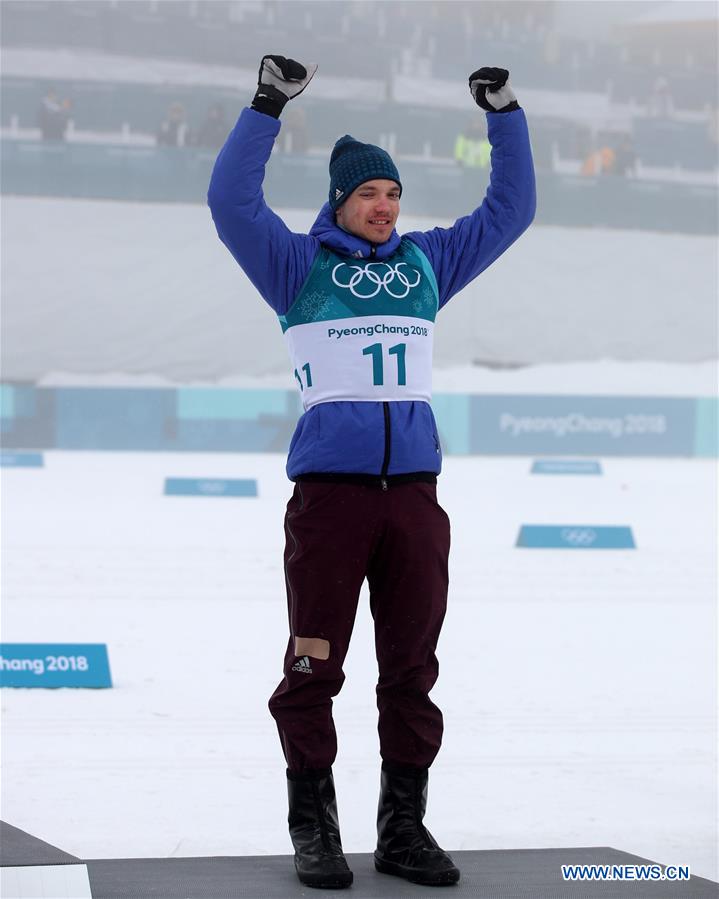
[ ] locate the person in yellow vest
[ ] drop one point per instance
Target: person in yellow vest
(472, 149)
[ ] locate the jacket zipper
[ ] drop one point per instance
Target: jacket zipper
(387, 446)
(387, 428)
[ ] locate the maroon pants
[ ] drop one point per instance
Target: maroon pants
(337, 534)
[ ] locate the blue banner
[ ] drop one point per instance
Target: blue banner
(575, 536)
(54, 665)
(566, 466)
(21, 460)
(257, 421)
(582, 425)
(210, 487)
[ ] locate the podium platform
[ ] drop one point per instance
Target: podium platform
(491, 874)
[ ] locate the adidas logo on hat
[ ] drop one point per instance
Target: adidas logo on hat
(352, 163)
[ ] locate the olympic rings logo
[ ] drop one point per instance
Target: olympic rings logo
(374, 278)
(579, 536)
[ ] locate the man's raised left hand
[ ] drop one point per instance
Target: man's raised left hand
(491, 90)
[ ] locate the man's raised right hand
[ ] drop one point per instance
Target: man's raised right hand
(280, 80)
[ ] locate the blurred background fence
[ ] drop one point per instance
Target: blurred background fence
(132, 100)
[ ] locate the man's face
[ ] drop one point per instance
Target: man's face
(371, 210)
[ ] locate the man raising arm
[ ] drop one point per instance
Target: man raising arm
(357, 304)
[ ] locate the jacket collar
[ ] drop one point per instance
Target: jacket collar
(329, 233)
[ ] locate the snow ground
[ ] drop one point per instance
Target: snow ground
(578, 687)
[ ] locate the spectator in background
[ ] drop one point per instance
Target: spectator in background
(293, 138)
(214, 130)
(599, 162)
(53, 116)
(552, 50)
(472, 149)
(173, 130)
(713, 131)
(661, 102)
(625, 158)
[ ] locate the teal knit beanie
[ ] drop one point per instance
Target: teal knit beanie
(352, 163)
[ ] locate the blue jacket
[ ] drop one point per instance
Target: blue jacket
(364, 438)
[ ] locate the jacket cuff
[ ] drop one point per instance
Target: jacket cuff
(269, 100)
(510, 107)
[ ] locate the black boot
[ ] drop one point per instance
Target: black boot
(405, 847)
(315, 830)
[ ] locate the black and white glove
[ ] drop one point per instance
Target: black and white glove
(491, 90)
(280, 80)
